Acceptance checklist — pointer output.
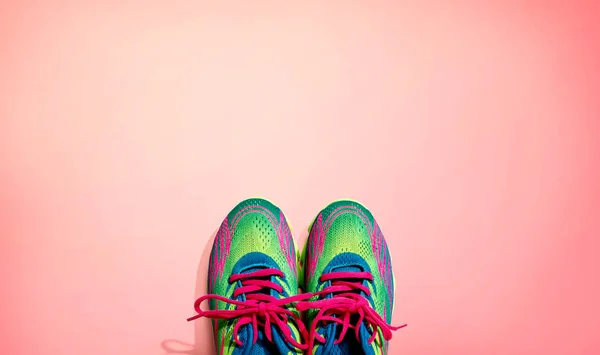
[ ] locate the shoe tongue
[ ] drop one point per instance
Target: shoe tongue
(271, 278)
(262, 346)
(350, 345)
(350, 269)
(364, 340)
(347, 269)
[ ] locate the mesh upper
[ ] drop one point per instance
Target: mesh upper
(343, 230)
(254, 226)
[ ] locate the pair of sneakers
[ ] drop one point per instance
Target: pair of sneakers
(255, 273)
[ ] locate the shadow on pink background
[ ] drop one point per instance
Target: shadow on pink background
(129, 129)
(203, 336)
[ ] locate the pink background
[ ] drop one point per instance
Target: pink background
(129, 129)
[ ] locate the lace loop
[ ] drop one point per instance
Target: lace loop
(258, 309)
(341, 300)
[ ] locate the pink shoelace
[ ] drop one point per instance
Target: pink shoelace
(259, 309)
(345, 303)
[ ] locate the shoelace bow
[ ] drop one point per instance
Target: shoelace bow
(344, 303)
(258, 309)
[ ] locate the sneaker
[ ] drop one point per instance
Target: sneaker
(253, 284)
(348, 271)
